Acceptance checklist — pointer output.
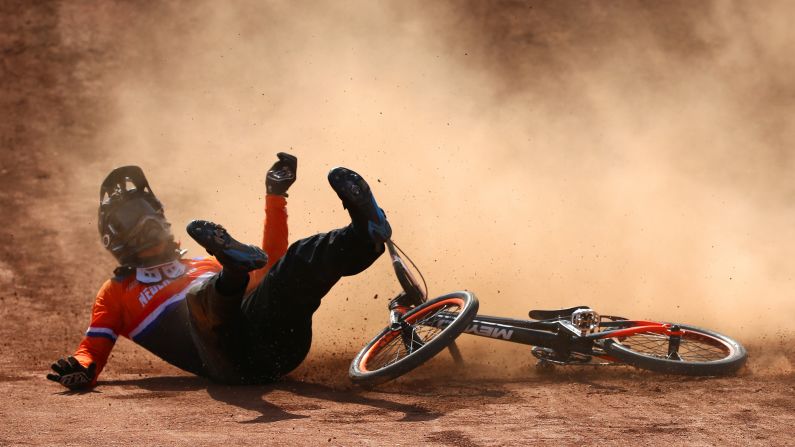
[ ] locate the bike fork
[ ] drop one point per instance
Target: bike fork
(410, 338)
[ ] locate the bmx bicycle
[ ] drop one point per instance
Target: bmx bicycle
(419, 329)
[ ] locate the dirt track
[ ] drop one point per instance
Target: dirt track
(51, 105)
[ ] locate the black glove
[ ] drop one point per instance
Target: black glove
(282, 174)
(72, 374)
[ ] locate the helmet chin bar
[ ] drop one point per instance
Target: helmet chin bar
(170, 253)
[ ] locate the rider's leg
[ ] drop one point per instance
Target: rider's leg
(311, 266)
(217, 325)
(280, 309)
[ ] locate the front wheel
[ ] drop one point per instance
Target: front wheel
(689, 350)
(423, 332)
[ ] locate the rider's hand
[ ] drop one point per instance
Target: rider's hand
(71, 374)
(282, 174)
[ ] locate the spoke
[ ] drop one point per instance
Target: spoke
(427, 321)
(411, 338)
(397, 353)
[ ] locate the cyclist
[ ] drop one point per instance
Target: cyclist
(241, 316)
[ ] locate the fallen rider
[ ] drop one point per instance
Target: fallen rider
(242, 315)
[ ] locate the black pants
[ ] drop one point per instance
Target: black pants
(261, 336)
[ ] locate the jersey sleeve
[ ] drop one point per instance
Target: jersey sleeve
(103, 330)
(274, 234)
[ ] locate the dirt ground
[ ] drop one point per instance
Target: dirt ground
(51, 105)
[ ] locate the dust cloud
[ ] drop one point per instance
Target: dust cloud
(632, 156)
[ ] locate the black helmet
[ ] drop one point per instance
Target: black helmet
(131, 218)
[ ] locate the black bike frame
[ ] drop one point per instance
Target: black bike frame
(557, 334)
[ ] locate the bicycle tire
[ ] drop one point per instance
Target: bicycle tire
(707, 353)
(365, 369)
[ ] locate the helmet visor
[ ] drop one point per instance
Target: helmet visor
(125, 219)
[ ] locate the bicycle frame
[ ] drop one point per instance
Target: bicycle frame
(558, 334)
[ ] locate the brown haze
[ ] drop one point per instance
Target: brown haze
(634, 156)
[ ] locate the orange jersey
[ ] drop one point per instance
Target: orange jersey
(154, 314)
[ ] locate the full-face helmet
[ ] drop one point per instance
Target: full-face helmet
(131, 219)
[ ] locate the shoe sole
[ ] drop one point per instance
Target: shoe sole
(226, 249)
(344, 181)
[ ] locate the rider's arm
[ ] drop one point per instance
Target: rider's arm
(105, 325)
(274, 234)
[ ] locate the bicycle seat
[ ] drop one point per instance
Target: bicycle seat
(550, 314)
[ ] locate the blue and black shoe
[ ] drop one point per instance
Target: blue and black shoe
(229, 252)
(361, 205)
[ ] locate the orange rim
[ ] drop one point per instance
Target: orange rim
(411, 319)
(651, 329)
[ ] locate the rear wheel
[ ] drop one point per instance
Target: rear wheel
(423, 332)
(689, 351)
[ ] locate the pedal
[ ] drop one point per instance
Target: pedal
(549, 356)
